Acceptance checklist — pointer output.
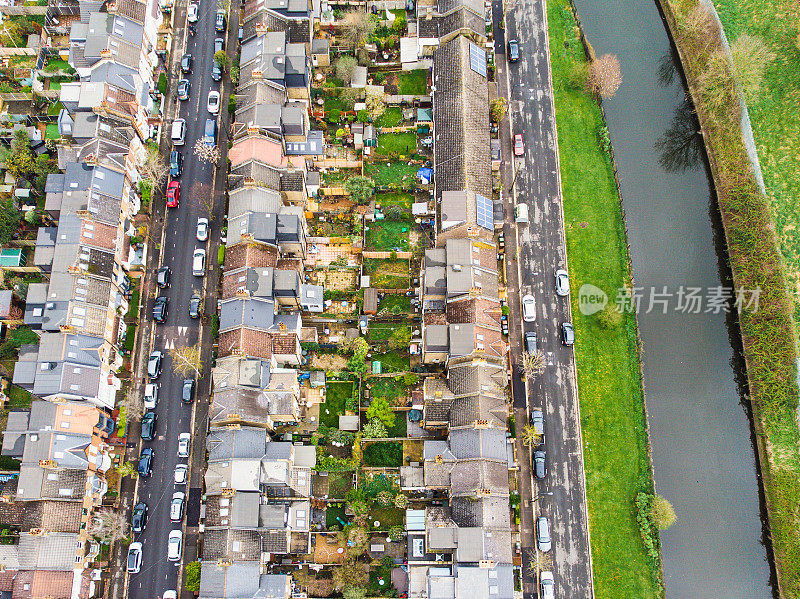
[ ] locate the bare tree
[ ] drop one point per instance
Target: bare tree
(530, 436)
(154, 168)
(605, 75)
(134, 407)
(538, 560)
(358, 26)
(750, 56)
(224, 5)
(186, 360)
(205, 152)
(203, 194)
(109, 526)
(344, 68)
(532, 364)
(376, 103)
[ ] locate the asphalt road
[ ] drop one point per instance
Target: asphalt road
(177, 242)
(540, 249)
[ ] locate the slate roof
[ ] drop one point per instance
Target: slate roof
(253, 199)
(232, 544)
(251, 313)
(258, 172)
(489, 443)
(461, 119)
(55, 551)
(486, 512)
(52, 516)
(242, 443)
(241, 580)
(468, 477)
(460, 18)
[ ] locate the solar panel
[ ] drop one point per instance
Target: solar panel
(485, 212)
(477, 59)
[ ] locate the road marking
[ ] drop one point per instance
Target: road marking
(182, 330)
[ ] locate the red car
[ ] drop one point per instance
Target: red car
(173, 193)
(519, 146)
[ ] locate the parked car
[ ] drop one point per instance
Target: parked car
(173, 194)
(216, 72)
(519, 145)
(139, 517)
(513, 50)
(175, 164)
(194, 306)
(543, 534)
(180, 474)
(150, 396)
(154, 364)
(219, 21)
(186, 63)
(162, 277)
(145, 462)
(170, 595)
(149, 426)
(567, 333)
(213, 102)
(210, 132)
(134, 561)
(537, 422)
(176, 506)
(193, 12)
(530, 342)
(174, 546)
(184, 441)
(562, 283)
(528, 308)
(548, 586)
(187, 393)
(202, 229)
(199, 262)
(160, 309)
(219, 44)
(183, 89)
(539, 465)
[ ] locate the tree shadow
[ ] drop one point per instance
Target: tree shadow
(681, 146)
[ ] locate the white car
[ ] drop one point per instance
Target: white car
(199, 262)
(202, 229)
(528, 308)
(134, 561)
(170, 595)
(213, 102)
(546, 581)
(174, 546)
(176, 506)
(180, 474)
(193, 12)
(562, 283)
(184, 440)
(150, 396)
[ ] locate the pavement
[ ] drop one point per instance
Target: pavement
(535, 251)
(172, 243)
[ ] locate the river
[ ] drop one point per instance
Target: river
(700, 430)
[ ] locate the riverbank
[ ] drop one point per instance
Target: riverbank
(768, 334)
(613, 417)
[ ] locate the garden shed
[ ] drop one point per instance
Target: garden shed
(371, 301)
(348, 423)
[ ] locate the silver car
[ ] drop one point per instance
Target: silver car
(562, 283)
(184, 440)
(176, 507)
(543, 534)
(202, 229)
(528, 308)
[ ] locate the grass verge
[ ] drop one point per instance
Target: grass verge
(616, 446)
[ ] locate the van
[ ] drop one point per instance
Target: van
(521, 215)
(178, 132)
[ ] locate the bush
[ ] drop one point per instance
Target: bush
(662, 514)
(384, 498)
(380, 409)
(609, 317)
(363, 116)
(396, 532)
(334, 115)
(221, 255)
(232, 105)
(162, 83)
(215, 326)
(193, 577)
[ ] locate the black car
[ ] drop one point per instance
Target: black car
(183, 89)
(539, 466)
(186, 63)
(145, 462)
(175, 164)
(530, 342)
(139, 517)
(149, 426)
(160, 309)
(216, 72)
(187, 394)
(513, 50)
(162, 277)
(219, 21)
(194, 306)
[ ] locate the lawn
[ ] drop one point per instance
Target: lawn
(399, 428)
(388, 388)
(395, 175)
(393, 361)
(331, 512)
(336, 394)
(404, 143)
(384, 453)
(610, 389)
(413, 83)
(388, 235)
(391, 118)
(339, 483)
(381, 331)
(387, 274)
(51, 131)
(334, 178)
(397, 303)
(18, 397)
(388, 516)
(394, 198)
